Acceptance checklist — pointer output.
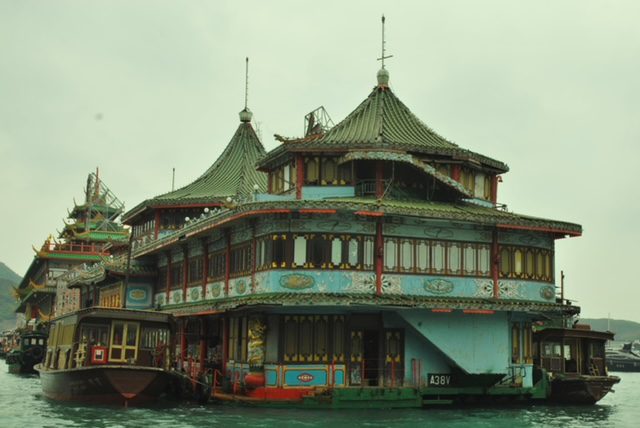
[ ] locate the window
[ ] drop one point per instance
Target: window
(329, 171)
(519, 262)
(124, 341)
(152, 337)
(368, 252)
(406, 256)
(438, 251)
(195, 270)
(422, 256)
(469, 259)
(161, 282)
(312, 171)
(306, 338)
(299, 251)
(217, 266)
(454, 258)
(240, 260)
(390, 254)
(176, 275)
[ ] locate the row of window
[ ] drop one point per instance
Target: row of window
(526, 263)
(357, 252)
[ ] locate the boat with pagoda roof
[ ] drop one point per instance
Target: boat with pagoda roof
(108, 356)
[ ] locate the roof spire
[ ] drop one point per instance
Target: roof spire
(383, 74)
(245, 114)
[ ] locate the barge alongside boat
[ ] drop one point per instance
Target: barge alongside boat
(108, 356)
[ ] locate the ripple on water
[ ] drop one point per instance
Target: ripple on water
(22, 405)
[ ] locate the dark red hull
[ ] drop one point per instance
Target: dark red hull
(581, 389)
(109, 384)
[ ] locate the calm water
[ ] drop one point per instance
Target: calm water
(22, 405)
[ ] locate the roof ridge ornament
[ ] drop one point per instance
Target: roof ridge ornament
(383, 74)
(245, 114)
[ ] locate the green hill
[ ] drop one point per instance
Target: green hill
(625, 331)
(8, 280)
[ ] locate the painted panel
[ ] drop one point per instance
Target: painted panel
(267, 197)
(271, 376)
(160, 299)
(527, 239)
(313, 375)
(437, 231)
(215, 290)
(194, 294)
(139, 296)
(240, 286)
(477, 343)
(322, 192)
(175, 297)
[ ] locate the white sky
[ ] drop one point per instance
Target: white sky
(552, 88)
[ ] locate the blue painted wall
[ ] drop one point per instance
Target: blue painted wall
(477, 343)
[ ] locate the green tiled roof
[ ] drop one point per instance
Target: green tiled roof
(382, 122)
(232, 174)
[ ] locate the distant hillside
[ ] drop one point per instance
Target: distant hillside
(8, 280)
(625, 330)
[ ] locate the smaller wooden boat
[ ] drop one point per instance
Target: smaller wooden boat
(108, 356)
(29, 351)
(575, 360)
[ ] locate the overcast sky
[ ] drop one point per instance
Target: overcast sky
(136, 88)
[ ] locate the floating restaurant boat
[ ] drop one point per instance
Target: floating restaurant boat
(108, 356)
(29, 351)
(576, 362)
(364, 264)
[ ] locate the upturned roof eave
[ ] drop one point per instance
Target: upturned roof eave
(458, 212)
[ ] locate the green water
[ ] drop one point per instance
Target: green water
(22, 405)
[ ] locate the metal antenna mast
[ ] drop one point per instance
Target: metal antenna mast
(246, 82)
(383, 57)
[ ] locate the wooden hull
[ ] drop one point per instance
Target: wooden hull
(581, 389)
(108, 384)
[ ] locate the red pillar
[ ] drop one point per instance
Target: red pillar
(379, 179)
(185, 274)
(299, 176)
(203, 343)
(227, 264)
(225, 344)
(156, 226)
(379, 257)
(253, 257)
(455, 172)
(495, 264)
(183, 342)
(169, 269)
(494, 189)
(205, 267)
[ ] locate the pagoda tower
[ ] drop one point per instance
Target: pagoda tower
(91, 231)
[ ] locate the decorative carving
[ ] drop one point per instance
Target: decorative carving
(297, 281)
(256, 344)
(160, 299)
(177, 297)
(438, 286)
(194, 294)
(547, 292)
(215, 289)
(241, 287)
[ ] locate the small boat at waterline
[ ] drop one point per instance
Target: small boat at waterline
(108, 356)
